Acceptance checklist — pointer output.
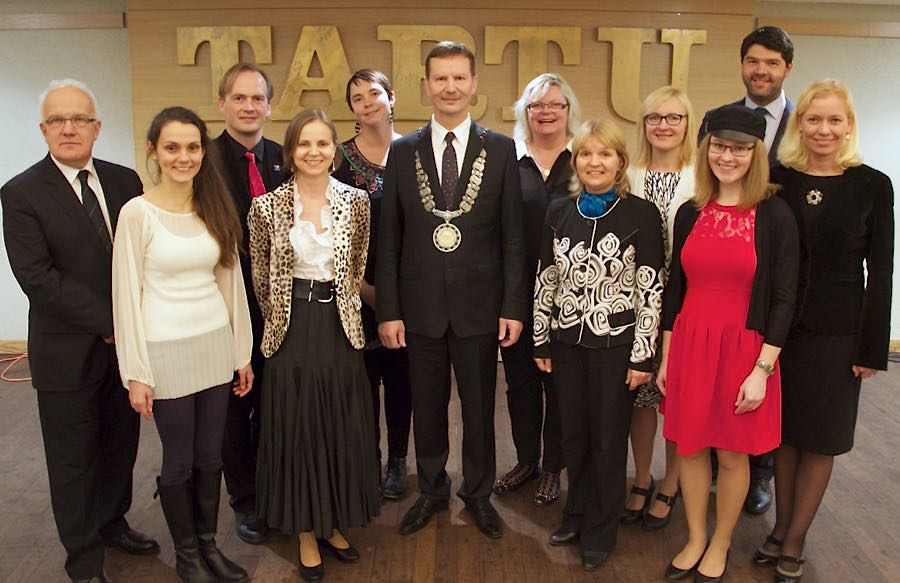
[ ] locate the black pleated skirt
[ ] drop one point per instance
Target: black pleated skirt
(820, 395)
(316, 468)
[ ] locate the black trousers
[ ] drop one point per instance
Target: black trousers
(390, 368)
(190, 429)
(528, 389)
(242, 439)
(90, 442)
(595, 409)
(474, 363)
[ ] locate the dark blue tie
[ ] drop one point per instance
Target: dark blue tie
(449, 172)
(92, 208)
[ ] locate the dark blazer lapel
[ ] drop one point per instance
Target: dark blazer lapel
(112, 190)
(472, 150)
(779, 133)
(426, 155)
(61, 192)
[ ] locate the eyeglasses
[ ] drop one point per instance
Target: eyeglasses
(541, 106)
(672, 119)
(79, 121)
(738, 150)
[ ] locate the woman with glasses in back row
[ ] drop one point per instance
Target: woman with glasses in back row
(547, 115)
(664, 175)
(726, 313)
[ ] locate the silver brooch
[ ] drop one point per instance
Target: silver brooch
(814, 197)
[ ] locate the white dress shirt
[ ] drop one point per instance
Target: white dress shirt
(460, 142)
(774, 113)
(71, 175)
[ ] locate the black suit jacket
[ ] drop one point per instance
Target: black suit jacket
(481, 281)
(64, 269)
(856, 225)
(779, 133)
(237, 178)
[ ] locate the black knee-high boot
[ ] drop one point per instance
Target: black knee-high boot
(207, 486)
(178, 508)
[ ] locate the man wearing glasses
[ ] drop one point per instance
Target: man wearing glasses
(59, 217)
(767, 57)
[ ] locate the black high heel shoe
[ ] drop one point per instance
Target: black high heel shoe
(652, 523)
(764, 558)
(631, 516)
(784, 576)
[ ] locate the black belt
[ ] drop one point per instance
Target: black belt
(309, 290)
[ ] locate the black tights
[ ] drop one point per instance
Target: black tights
(801, 478)
(191, 429)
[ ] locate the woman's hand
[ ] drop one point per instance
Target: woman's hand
(140, 395)
(544, 364)
(636, 378)
(661, 377)
(752, 393)
(244, 381)
(862, 372)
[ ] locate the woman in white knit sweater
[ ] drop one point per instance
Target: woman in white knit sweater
(663, 173)
(182, 329)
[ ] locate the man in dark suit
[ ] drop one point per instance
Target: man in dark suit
(767, 57)
(451, 280)
(58, 220)
(252, 167)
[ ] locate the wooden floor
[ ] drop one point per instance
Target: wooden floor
(856, 536)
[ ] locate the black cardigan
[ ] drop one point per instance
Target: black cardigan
(774, 282)
(855, 224)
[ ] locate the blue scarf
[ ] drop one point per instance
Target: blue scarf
(594, 205)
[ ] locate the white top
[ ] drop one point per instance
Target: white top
(774, 113)
(181, 320)
(460, 142)
(71, 175)
(313, 251)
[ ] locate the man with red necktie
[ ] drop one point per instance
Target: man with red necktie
(252, 166)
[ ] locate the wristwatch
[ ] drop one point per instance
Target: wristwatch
(769, 368)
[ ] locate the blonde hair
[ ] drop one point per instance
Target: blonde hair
(755, 186)
(609, 134)
(650, 103)
(536, 89)
(793, 152)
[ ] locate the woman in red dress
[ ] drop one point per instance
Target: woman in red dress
(726, 312)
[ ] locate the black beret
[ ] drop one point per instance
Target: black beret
(736, 122)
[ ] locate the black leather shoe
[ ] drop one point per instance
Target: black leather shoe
(311, 574)
(652, 523)
(133, 543)
(758, 497)
(673, 573)
(250, 529)
(630, 516)
(485, 516)
(591, 560)
(701, 578)
(348, 555)
(94, 579)
(395, 478)
(516, 478)
(565, 535)
(418, 516)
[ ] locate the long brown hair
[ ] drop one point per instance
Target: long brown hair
(211, 198)
(755, 186)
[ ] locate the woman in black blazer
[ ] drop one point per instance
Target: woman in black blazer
(840, 335)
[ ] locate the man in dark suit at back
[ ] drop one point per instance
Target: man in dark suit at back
(252, 167)
(59, 217)
(451, 280)
(767, 57)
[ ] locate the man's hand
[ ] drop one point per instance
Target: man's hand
(392, 334)
(244, 381)
(509, 332)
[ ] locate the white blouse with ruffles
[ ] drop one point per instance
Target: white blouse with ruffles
(181, 320)
(313, 251)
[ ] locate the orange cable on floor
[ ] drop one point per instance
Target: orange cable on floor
(13, 361)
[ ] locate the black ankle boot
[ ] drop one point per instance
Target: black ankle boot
(206, 512)
(395, 478)
(178, 508)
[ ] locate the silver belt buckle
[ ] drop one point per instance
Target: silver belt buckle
(330, 297)
(309, 295)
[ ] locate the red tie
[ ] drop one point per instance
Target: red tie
(257, 186)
